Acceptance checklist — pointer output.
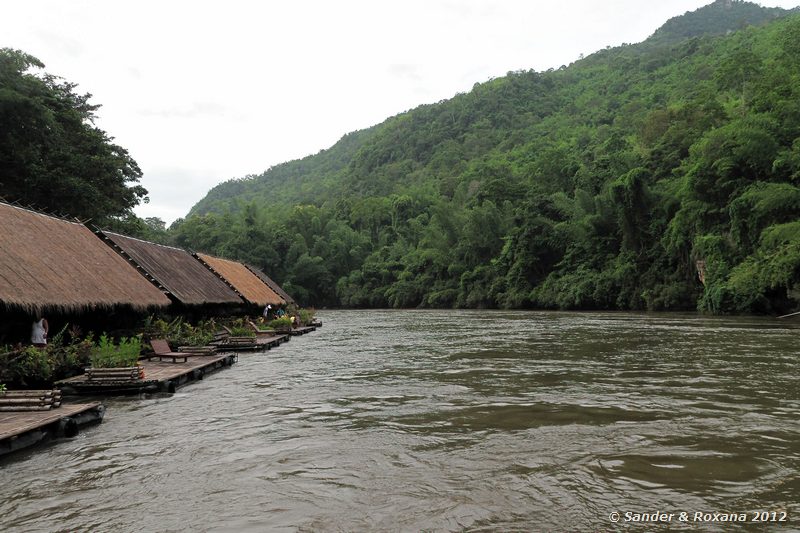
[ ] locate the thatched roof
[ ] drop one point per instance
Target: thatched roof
(243, 280)
(272, 285)
(183, 276)
(49, 264)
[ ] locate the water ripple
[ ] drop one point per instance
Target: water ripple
(441, 421)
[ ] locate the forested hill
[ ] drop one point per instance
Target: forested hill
(604, 184)
(313, 178)
(718, 18)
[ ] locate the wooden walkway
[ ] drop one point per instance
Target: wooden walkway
(158, 376)
(25, 428)
(303, 330)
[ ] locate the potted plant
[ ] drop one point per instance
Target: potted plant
(118, 362)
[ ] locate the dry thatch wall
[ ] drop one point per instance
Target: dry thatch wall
(176, 270)
(243, 280)
(48, 264)
(272, 285)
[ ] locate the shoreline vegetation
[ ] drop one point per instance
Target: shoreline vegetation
(661, 175)
(654, 176)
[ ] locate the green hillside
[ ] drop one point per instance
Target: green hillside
(718, 18)
(604, 184)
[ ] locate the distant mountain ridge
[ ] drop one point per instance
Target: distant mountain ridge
(606, 184)
(314, 178)
(717, 18)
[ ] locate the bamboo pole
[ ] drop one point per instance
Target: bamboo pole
(790, 314)
(30, 393)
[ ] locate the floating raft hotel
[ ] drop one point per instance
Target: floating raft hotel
(158, 376)
(242, 280)
(59, 266)
(271, 284)
(175, 271)
(75, 275)
(21, 429)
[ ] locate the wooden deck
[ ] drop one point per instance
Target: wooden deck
(158, 376)
(270, 341)
(22, 429)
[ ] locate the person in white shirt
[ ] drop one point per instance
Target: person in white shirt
(39, 333)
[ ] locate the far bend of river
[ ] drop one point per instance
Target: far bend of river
(444, 421)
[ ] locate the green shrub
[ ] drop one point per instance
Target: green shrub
(199, 335)
(241, 331)
(70, 359)
(306, 316)
(65, 355)
(107, 355)
(280, 323)
(180, 333)
(239, 328)
(32, 364)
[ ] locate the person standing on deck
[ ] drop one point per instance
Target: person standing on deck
(39, 333)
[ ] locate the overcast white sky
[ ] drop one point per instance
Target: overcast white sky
(200, 92)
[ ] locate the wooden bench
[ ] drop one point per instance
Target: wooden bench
(198, 350)
(133, 373)
(30, 400)
(239, 341)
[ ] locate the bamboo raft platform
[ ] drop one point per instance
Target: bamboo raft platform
(303, 330)
(159, 376)
(22, 429)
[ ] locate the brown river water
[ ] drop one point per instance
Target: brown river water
(446, 421)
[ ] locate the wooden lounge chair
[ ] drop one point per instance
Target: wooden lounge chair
(269, 332)
(258, 330)
(224, 340)
(162, 350)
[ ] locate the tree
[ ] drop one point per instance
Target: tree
(51, 154)
(598, 185)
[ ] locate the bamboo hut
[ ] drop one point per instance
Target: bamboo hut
(242, 280)
(51, 265)
(184, 279)
(272, 285)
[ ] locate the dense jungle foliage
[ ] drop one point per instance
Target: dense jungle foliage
(662, 175)
(52, 156)
(615, 183)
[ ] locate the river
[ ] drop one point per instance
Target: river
(445, 421)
